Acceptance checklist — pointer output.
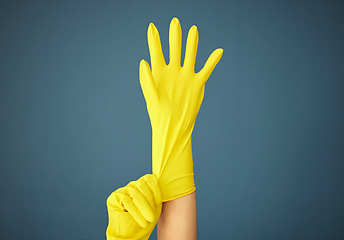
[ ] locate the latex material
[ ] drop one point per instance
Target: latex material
(134, 210)
(173, 97)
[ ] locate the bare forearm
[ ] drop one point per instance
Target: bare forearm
(178, 219)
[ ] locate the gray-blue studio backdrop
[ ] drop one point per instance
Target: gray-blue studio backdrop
(268, 142)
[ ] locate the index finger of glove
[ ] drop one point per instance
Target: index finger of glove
(133, 210)
(191, 48)
(141, 203)
(143, 187)
(152, 182)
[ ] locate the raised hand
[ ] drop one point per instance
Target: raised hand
(173, 95)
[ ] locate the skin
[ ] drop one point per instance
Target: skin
(178, 219)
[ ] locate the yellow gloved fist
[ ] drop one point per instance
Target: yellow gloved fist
(134, 210)
(173, 97)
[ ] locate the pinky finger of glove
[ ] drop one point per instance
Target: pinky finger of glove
(147, 82)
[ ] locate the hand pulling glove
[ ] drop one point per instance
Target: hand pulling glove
(134, 210)
(173, 97)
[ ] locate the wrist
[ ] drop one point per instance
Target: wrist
(172, 163)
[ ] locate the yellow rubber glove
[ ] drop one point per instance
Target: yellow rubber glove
(173, 97)
(134, 210)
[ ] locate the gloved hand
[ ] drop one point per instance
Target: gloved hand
(173, 97)
(134, 210)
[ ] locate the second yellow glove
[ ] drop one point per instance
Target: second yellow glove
(134, 210)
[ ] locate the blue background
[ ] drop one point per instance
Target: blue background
(268, 143)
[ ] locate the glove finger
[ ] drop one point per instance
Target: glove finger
(191, 48)
(175, 40)
(155, 50)
(152, 182)
(113, 201)
(209, 66)
(142, 186)
(147, 82)
(141, 203)
(129, 206)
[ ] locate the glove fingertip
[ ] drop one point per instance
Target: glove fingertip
(142, 63)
